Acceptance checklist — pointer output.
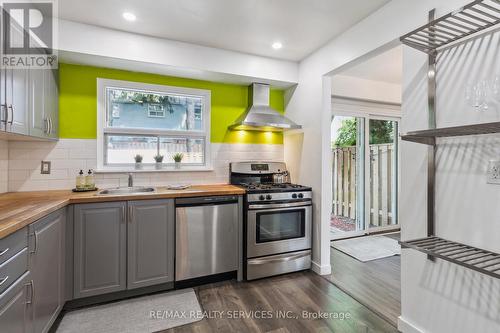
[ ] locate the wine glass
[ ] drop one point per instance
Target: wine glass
(481, 96)
(469, 94)
(495, 89)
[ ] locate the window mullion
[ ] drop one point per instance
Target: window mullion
(158, 146)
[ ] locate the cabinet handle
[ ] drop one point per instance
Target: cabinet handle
(130, 214)
(36, 242)
(32, 287)
(3, 280)
(124, 215)
(50, 125)
(11, 108)
(4, 252)
(46, 125)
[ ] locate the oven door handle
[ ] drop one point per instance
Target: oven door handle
(279, 259)
(282, 205)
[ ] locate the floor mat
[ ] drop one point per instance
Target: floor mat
(368, 247)
(143, 314)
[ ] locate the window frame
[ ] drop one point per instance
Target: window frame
(148, 166)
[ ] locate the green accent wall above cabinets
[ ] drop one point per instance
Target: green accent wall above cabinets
(78, 103)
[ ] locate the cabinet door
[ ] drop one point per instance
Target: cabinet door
(46, 267)
(15, 316)
(36, 106)
(17, 100)
(99, 248)
(151, 236)
(51, 102)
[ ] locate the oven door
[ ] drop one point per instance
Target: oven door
(278, 228)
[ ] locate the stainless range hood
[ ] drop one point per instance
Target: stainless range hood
(260, 116)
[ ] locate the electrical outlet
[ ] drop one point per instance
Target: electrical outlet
(45, 168)
(493, 172)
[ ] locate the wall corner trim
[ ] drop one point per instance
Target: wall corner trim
(321, 270)
(405, 326)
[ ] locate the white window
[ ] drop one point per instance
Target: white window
(145, 119)
(156, 111)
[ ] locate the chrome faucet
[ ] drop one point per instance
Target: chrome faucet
(130, 180)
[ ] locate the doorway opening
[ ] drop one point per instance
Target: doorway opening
(364, 225)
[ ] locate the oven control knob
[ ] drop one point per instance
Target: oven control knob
(269, 197)
(294, 196)
(301, 195)
(261, 197)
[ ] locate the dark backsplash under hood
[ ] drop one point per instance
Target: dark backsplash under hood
(260, 116)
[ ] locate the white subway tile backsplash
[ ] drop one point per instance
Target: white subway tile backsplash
(54, 174)
(18, 174)
(68, 156)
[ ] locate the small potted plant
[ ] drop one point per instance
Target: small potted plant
(159, 160)
(138, 161)
(178, 158)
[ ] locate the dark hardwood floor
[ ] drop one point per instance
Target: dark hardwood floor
(376, 283)
(304, 291)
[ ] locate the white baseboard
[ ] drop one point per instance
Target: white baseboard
(321, 270)
(407, 327)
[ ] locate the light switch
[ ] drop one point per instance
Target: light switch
(45, 169)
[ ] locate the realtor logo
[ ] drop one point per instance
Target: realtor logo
(28, 34)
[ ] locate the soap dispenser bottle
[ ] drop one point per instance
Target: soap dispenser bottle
(90, 180)
(80, 181)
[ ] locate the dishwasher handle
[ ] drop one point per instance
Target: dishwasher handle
(206, 201)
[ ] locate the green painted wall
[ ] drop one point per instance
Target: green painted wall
(78, 103)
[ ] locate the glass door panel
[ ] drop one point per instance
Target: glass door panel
(348, 142)
(383, 175)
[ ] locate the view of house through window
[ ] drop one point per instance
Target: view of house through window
(150, 122)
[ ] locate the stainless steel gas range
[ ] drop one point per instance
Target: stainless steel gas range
(278, 220)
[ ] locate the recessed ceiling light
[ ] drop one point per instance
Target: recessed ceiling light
(129, 16)
(277, 45)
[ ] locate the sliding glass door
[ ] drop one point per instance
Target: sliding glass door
(365, 175)
(348, 149)
(382, 187)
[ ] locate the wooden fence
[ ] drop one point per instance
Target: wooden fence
(381, 183)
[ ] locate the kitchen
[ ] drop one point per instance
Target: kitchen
(172, 171)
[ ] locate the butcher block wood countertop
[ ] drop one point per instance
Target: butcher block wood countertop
(19, 209)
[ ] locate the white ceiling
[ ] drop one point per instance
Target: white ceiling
(249, 26)
(385, 67)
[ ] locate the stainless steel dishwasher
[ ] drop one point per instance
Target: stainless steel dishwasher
(206, 236)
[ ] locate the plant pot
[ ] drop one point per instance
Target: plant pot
(138, 165)
(158, 165)
(177, 165)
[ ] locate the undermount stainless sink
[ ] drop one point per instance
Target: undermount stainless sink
(126, 190)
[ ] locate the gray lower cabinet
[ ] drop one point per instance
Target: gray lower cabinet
(15, 306)
(47, 269)
(122, 245)
(151, 235)
(99, 248)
